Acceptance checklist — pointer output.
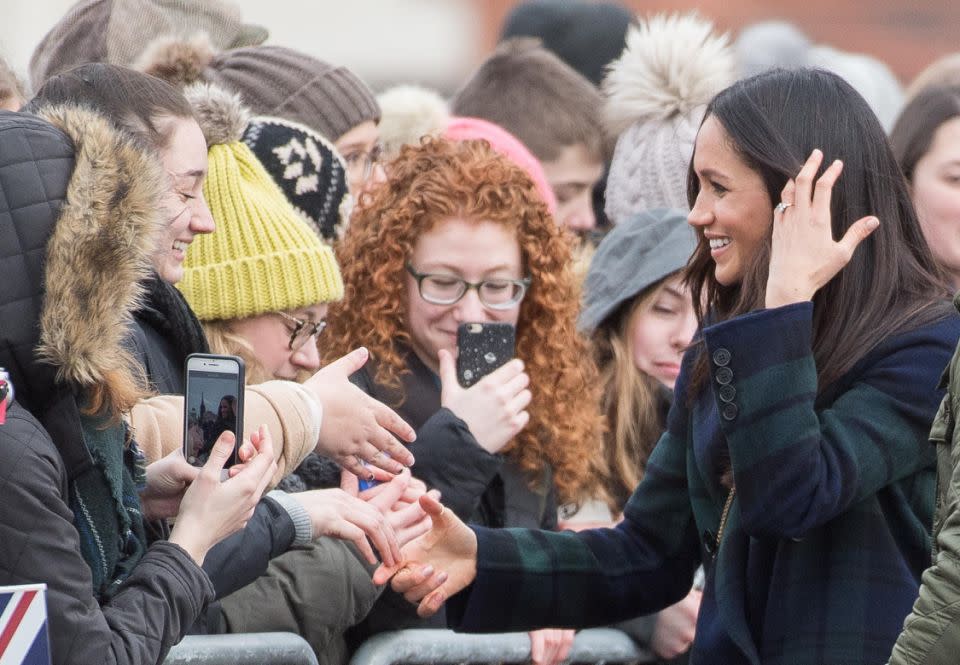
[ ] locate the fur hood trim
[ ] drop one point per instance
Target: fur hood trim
(222, 116)
(176, 60)
(672, 64)
(99, 252)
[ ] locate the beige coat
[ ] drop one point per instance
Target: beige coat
(289, 412)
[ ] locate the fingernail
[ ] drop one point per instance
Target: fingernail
(427, 571)
(873, 223)
(442, 577)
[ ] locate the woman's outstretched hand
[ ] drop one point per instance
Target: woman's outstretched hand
(804, 256)
(356, 428)
(437, 565)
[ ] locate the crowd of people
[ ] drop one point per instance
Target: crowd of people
(728, 424)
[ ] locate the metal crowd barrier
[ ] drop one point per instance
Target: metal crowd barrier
(431, 647)
(242, 649)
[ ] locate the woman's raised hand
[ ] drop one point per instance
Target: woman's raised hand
(337, 514)
(804, 256)
(356, 428)
(494, 408)
(212, 509)
(436, 565)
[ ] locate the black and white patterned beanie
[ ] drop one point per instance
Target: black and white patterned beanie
(307, 168)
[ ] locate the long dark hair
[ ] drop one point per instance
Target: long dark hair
(892, 283)
(912, 135)
(135, 102)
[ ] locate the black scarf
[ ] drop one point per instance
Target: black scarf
(169, 313)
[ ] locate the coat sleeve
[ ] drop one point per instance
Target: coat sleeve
(450, 459)
(797, 466)
(529, 579)
(39, 544)
(931, 633)
(291, 415)
(317, 592)
(243, 557)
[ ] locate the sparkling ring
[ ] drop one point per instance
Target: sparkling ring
(782, 207)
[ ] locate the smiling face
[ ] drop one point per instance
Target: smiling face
(660, 329)
(184, 209)
(936, 195)
(269, 335)
(473, 251)
(733, 210)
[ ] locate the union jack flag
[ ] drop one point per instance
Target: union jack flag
(23, 625)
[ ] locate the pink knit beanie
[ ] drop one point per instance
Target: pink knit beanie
(467, 129)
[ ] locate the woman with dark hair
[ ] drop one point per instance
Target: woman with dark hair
(795, 466)
(926, 142)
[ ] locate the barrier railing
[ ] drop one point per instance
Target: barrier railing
(242, 649)
(429, 647)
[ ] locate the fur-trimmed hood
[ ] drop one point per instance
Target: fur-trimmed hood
(84, 205)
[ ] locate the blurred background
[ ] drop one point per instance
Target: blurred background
(438, 42)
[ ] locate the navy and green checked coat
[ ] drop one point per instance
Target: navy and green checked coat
(828, 532)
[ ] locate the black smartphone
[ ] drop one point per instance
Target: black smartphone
(482, 348)
(213, 403)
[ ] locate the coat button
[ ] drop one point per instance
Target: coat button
(724, 376)
(729, 411)
(727, 393)
(721, 357)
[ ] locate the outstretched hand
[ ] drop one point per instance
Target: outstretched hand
(356, 428)
(804, 256)
(397, 498)
(437, 565)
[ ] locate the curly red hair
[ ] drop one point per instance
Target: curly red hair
(439, 180)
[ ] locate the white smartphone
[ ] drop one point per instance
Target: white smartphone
(213, 403)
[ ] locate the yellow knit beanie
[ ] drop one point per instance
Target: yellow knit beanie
(263, 257)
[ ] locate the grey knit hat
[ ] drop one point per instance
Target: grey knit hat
(656, 96)
(281, 82)
(634, 255)
(307, 168)
(116, 31)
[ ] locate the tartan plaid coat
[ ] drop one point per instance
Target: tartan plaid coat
(828, 531)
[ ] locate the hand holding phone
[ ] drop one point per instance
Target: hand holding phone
(494, 408)
(212, 405)
(213, 508)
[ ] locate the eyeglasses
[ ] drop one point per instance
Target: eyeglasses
(497, 293)
(302, 331)
(364, 161)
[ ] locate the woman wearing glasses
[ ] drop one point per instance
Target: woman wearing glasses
(459, 234)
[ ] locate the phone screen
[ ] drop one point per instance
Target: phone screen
(213, 404)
